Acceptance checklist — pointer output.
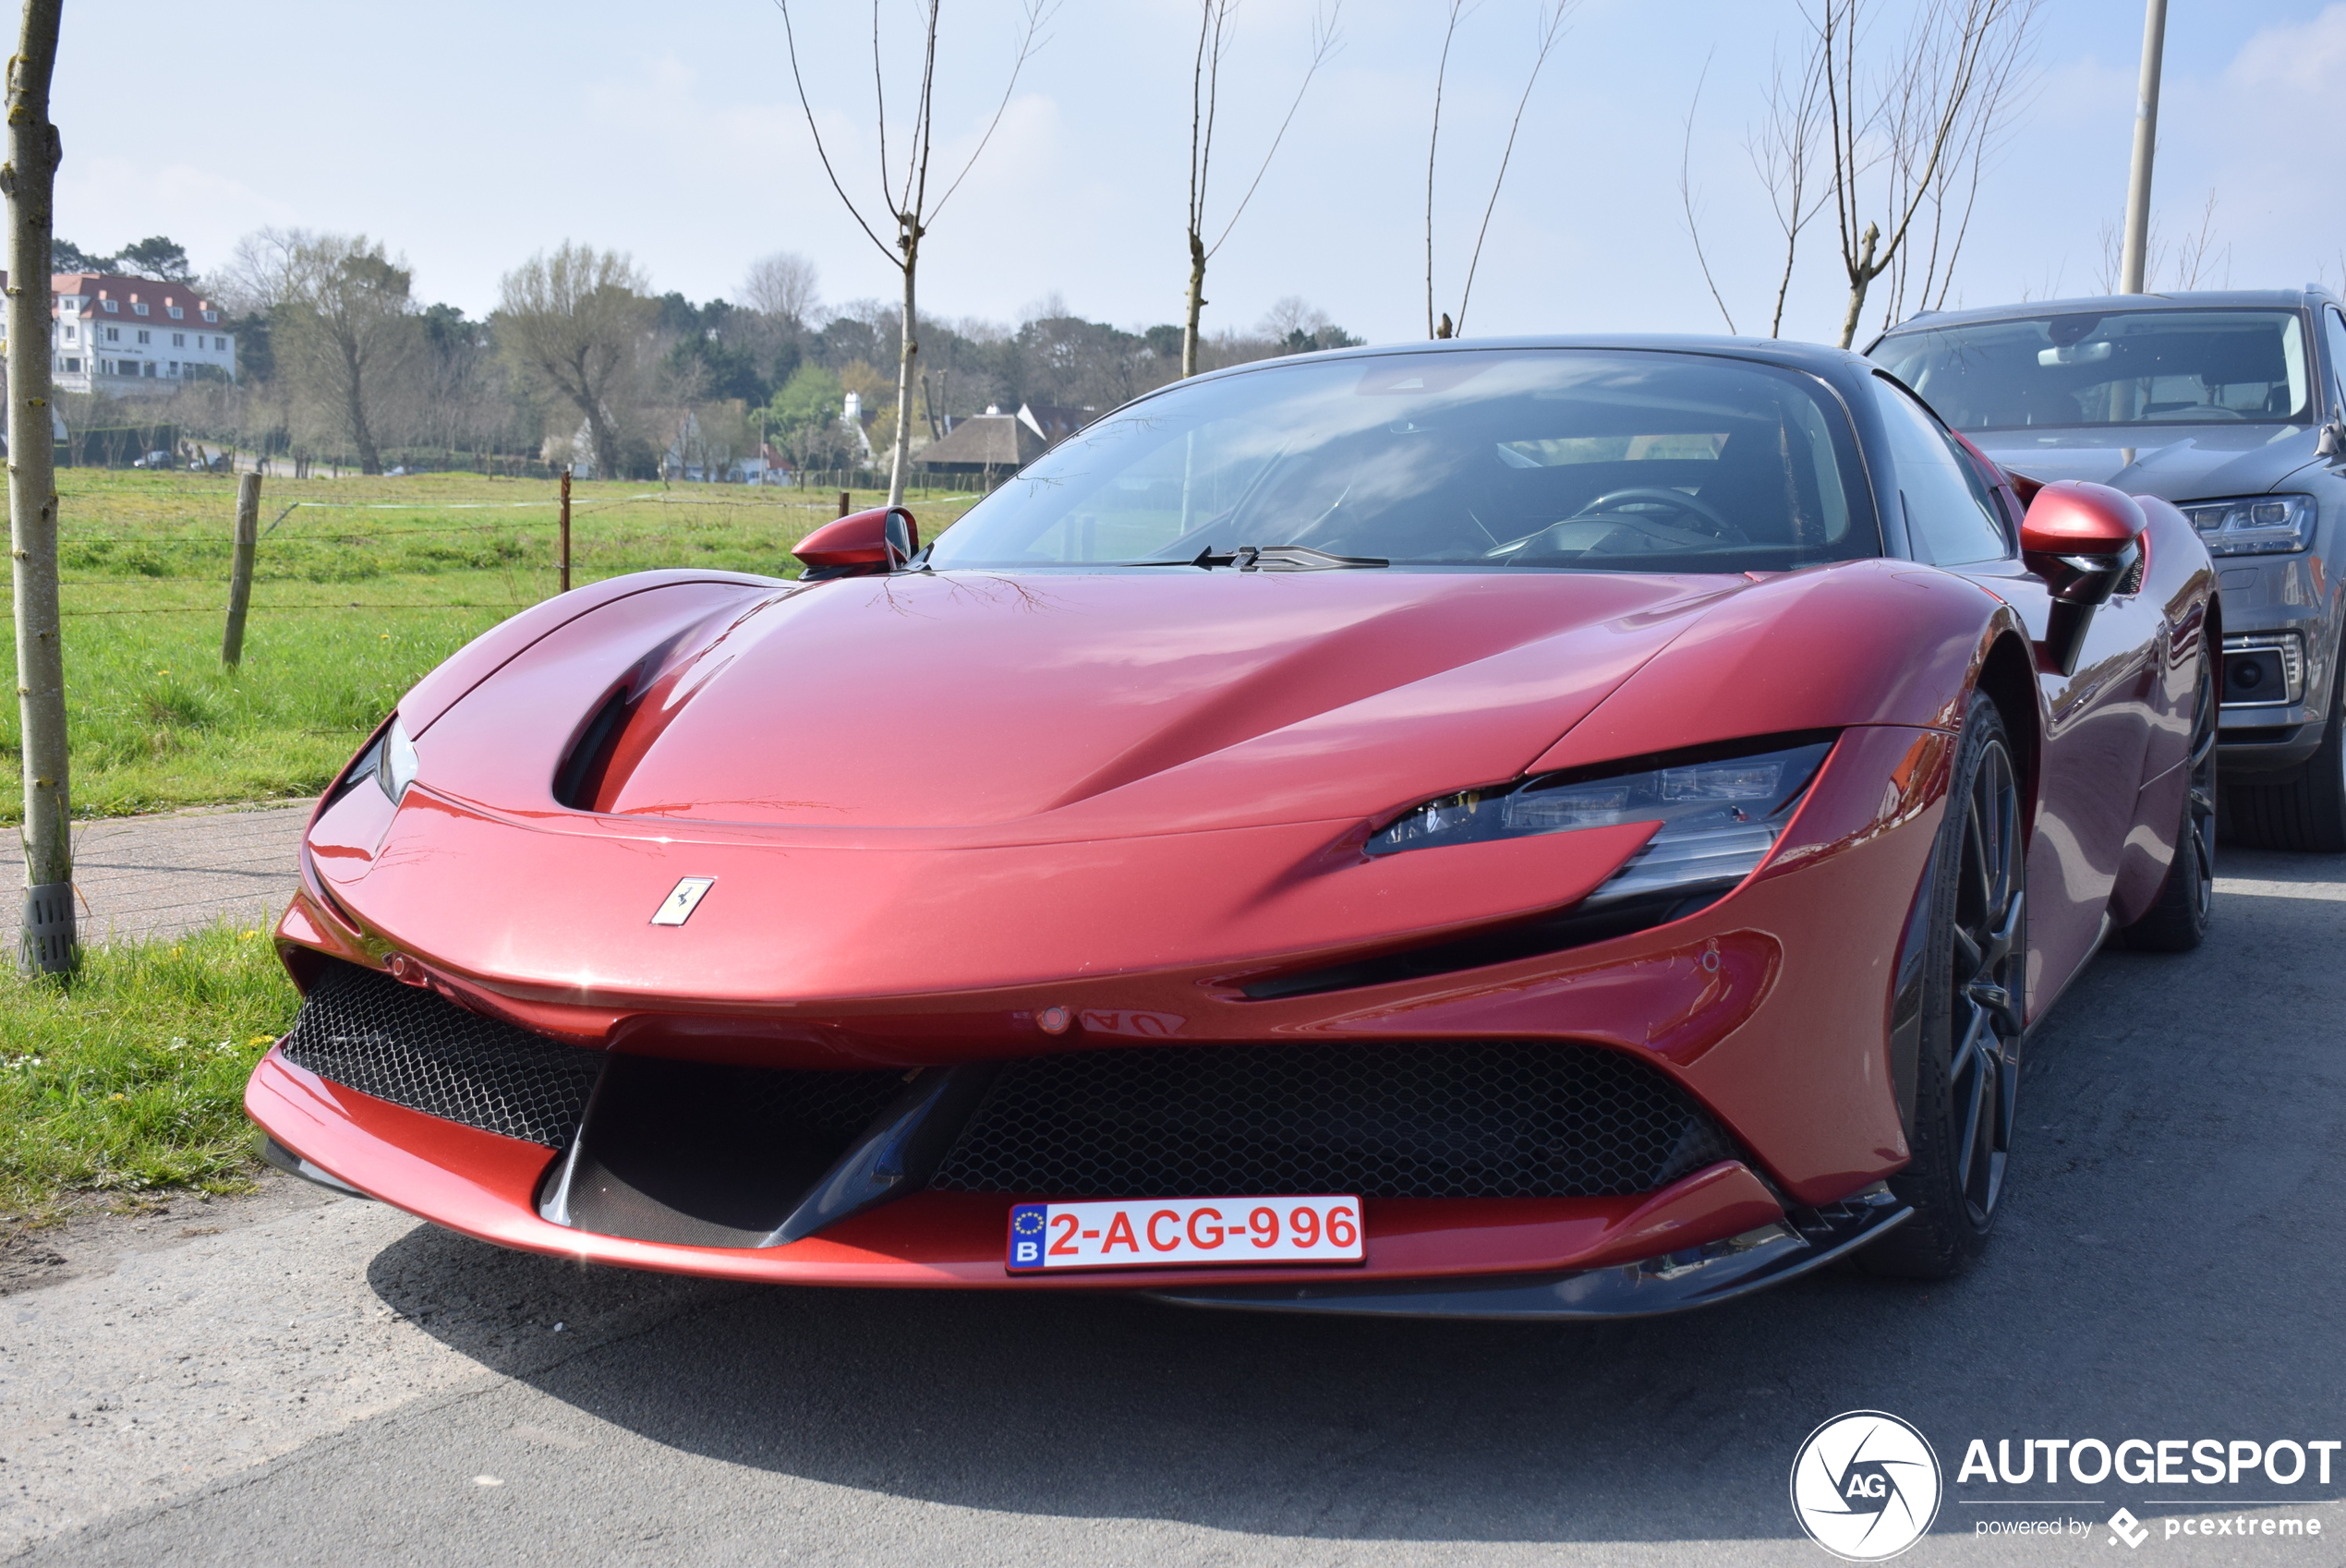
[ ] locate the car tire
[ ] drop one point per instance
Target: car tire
(2177, 920)
(1967, 1067)
(2307, 814)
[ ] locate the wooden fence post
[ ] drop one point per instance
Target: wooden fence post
(565, 527)
(843, 503)
(232, 646)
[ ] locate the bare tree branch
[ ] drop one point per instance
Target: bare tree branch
(1432, 141)
(1206, 90)
(821, 153)
(1685, 195)
(1783, 156)
(1933, 110)
(1030, 38)
(1324, 43)
(1551, 27)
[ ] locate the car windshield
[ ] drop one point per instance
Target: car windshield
(1471, 459)
(2123, 367)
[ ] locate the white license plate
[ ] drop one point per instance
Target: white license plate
(1184, 1233)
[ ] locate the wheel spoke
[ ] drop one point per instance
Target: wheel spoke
(1971, 1096)
(1970, 958)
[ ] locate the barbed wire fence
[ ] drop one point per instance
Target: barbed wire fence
(821, 508)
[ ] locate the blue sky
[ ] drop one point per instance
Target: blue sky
(468, 136)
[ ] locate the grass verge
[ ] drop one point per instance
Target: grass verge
(128, 1076)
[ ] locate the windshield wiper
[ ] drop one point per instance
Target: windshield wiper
(1271, 558)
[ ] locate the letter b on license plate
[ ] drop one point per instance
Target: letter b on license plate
(1184, 1233)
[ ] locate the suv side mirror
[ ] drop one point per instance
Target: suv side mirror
(2081, 539)
(863, 544)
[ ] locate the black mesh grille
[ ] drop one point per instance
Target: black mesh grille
(415, 1048)
(1476, 1119)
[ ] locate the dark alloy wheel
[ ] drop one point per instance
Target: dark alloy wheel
(2177, 920)
(1968, 1073)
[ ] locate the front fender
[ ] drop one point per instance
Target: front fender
(1872, 642)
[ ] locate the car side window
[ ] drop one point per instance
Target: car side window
(2334, 332)
(1950, 516)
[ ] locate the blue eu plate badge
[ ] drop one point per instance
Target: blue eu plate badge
(1026, 1235)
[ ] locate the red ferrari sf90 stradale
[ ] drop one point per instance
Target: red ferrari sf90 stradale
(1559, 827)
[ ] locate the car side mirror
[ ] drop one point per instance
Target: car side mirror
(2331, 447)
(2081, 539)
(863, 544)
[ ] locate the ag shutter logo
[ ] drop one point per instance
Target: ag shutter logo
(1866, 1486)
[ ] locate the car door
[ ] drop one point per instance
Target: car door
(2099, 719)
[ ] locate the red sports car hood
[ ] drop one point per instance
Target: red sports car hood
(963, 700)
(929, 784)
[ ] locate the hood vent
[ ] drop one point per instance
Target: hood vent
(579, 780)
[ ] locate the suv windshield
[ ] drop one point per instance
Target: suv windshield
(1479, 459)
(2126, 367)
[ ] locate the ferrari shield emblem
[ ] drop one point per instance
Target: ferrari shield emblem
(679, 905)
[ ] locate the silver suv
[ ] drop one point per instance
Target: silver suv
(2233, 406)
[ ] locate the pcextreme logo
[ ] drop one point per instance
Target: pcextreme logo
(1866, 1486)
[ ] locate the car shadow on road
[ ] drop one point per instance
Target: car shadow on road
(2151, 1279)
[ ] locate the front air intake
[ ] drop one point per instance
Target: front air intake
(414, 1047)
(1429, 1119)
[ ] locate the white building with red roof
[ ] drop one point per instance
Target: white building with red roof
(127, 336)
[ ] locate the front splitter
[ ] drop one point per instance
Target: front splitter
(1674, 1282)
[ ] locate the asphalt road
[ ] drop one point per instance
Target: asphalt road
(338, 1384)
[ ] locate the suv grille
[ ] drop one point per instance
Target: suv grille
(1470, 1119)
(415, 1048)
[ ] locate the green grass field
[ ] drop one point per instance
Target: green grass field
(129, 1076)
(357, 591)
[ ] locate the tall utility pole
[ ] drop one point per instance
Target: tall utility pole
(28, 180)
(2130, 269)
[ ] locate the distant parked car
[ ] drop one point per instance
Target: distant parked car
(2233, 406)
(152, 460)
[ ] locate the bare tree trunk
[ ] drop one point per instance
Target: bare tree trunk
(49, 942)
(369, 460)
(1861, 277)
(911, 243)
(604, 439)
(1196, 305)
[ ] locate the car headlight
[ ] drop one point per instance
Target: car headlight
(396, 761)
(1719, 813)
(2254, 524)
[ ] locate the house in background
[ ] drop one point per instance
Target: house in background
(133, 336)
(994, 444)
(984, 446)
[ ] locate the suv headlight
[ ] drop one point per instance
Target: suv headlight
(395, 763)
(2253, 524)
(1720, 812)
